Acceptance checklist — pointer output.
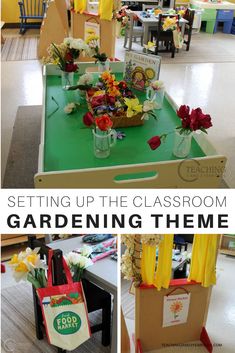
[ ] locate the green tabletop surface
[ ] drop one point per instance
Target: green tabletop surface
(68, 144)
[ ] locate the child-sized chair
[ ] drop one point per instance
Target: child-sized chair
(209, 16)
(225, 16)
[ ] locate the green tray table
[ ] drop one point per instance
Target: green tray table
(66, 157)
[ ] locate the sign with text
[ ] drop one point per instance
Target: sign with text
(117, 211)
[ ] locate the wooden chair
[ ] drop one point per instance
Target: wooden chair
(31, 10)
(164, 37)
(189, 16)
(132, 31)
(96, 297)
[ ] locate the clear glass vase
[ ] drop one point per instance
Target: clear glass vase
(103, 141)
(67, 79)
(182, 143)
(103, 65)
(156, 95)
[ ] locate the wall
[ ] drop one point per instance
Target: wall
(10, 11)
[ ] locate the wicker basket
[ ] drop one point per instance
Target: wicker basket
(122, 120)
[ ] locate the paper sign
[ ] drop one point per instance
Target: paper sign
(141, 69)
(92, 26)
(175, 310)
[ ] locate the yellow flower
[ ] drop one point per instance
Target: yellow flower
(56, 61)
(169, 23)
(90, 31)
(181, 13)
(99, 93)
(14, 260)
(22, 267)
(133, 106)
(150, 45)
(91, 37)
(32, 259)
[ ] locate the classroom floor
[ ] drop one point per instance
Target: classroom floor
(221, 316)
(208, 85)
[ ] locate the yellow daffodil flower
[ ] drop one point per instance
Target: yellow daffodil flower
(22, 267)
(133, 106)
(14, 260)
(32, 259)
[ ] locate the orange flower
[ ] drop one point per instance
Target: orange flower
(176, 307)
(104, 123)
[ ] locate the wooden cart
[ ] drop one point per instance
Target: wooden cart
(66, 158)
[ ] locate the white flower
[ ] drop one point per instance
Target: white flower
(86, 250)
(157, 85)
(85, 79)
(78, 44)
(149, 105)
(68, 109)
(68, 41)
(72, 258)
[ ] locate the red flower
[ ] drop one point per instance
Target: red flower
(71, 67)
(194, 119)
(110, 100)
(122, 85)
(88, 119)
(205, 121)
(69, 57)
(97, 101)
(104, 123)
(183, 111)
(154, 142)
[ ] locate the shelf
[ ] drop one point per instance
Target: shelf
(7, 240)
(224, 243)
(12, 244)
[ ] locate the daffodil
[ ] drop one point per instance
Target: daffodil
(133, 106)
(169, 23)
(27, 265)
(150, 45)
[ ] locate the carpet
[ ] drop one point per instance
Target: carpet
(22, 160)
(19, 48)
(18, 328)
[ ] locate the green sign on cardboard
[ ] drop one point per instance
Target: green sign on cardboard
(67, 323)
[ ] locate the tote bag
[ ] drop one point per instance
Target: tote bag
(64, 311)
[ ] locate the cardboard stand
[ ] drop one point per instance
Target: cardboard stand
(54, 27)
(107, 32)
(150, 331)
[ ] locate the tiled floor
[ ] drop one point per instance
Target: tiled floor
(208, 85)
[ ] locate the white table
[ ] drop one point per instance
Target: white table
(152, 22)
(103, 273)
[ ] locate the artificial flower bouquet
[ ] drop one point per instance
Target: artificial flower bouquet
(28, 266)
(115, 99)
(64, 55)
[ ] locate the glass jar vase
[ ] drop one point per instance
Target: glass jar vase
(103, 141)
(67, 79)
(103, 65)
(156, 95)
(182, 143)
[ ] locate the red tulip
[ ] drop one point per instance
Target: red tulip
(88, 119)
(154, 142)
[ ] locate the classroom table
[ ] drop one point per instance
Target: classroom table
(66, 156)
(103, 273)
(152, 21)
